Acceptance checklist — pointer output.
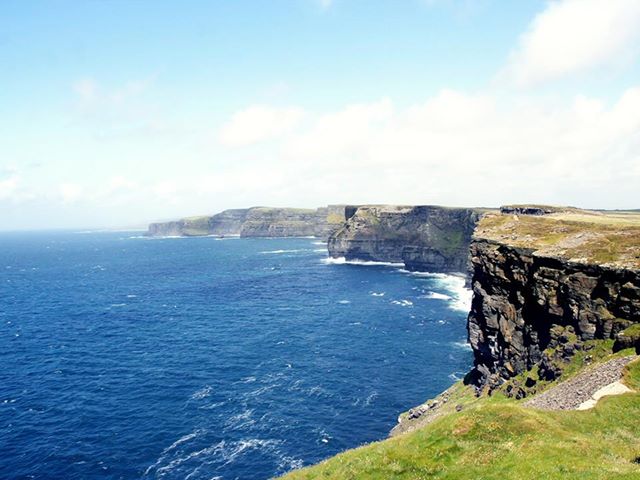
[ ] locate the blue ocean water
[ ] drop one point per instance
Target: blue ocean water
(124, 357)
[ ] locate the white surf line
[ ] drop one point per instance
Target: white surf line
(615, 388)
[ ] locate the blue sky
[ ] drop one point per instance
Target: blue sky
(116, 113)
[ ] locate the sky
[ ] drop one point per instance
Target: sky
(118, 113)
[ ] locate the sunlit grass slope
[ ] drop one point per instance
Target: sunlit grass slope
(496, 438)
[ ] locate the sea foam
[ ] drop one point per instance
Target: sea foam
(366, 263)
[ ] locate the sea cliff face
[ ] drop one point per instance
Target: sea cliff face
(535, 303)
(426, 238)
(257, 222)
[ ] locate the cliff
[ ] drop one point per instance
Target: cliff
(427, 238)
(546, 284)
(257, 222)
(556, 317)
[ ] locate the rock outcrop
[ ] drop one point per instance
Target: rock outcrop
(225, 223)
(258, 222)
(425, 238)
(532, 300)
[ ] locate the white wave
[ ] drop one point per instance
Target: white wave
(118, 305)
(202, 393)
(463, 345)
(261, 390)
(463, 302)
(287, 463)
(320, 250)
(366, 263)
(455, 284)
(455, 377)
(184, 438)
(403, 303)
(424, 274)
(318, 243)
(223, 450)
(324, 436)
(370, 398)
(437, 296)
(281, 251)
(211, 406)
(344, 302)
(240, 420)
(132, 296)
(156, 237)
(375, 294)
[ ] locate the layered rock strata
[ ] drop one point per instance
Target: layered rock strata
(424, 238)
(258, 222)
(535, 305)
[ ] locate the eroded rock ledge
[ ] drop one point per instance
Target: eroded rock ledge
(544, 286)
(258, 222)
(424, 238)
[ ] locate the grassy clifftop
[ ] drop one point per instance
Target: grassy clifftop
(604, 238)
(497, 438)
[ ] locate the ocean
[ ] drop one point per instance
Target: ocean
(126, 357)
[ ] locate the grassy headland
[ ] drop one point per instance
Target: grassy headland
(495, 438)
(605, 238)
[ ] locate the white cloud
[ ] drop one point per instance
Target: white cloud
(342, 133)
(572, 36)
(325, 3)
(259, 123)
(465, 149)
(70, 192)
(9, 187)
(166, 189)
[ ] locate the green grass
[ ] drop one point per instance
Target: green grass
(633, 331)
(335, 218)
(498, 439)
(589, 237)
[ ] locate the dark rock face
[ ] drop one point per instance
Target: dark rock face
(224, 223)
(524, 304)
(228, 222)
(425, 238)
(166, 229)
(330, 219)
(258, 222)
(527, 210)
(279, 222)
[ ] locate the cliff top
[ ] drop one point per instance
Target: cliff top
(586, 236)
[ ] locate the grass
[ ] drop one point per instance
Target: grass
(592, 237)
(335, 218)
(633, 331)
(498, 439)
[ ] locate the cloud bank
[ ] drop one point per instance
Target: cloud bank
(573, 36)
